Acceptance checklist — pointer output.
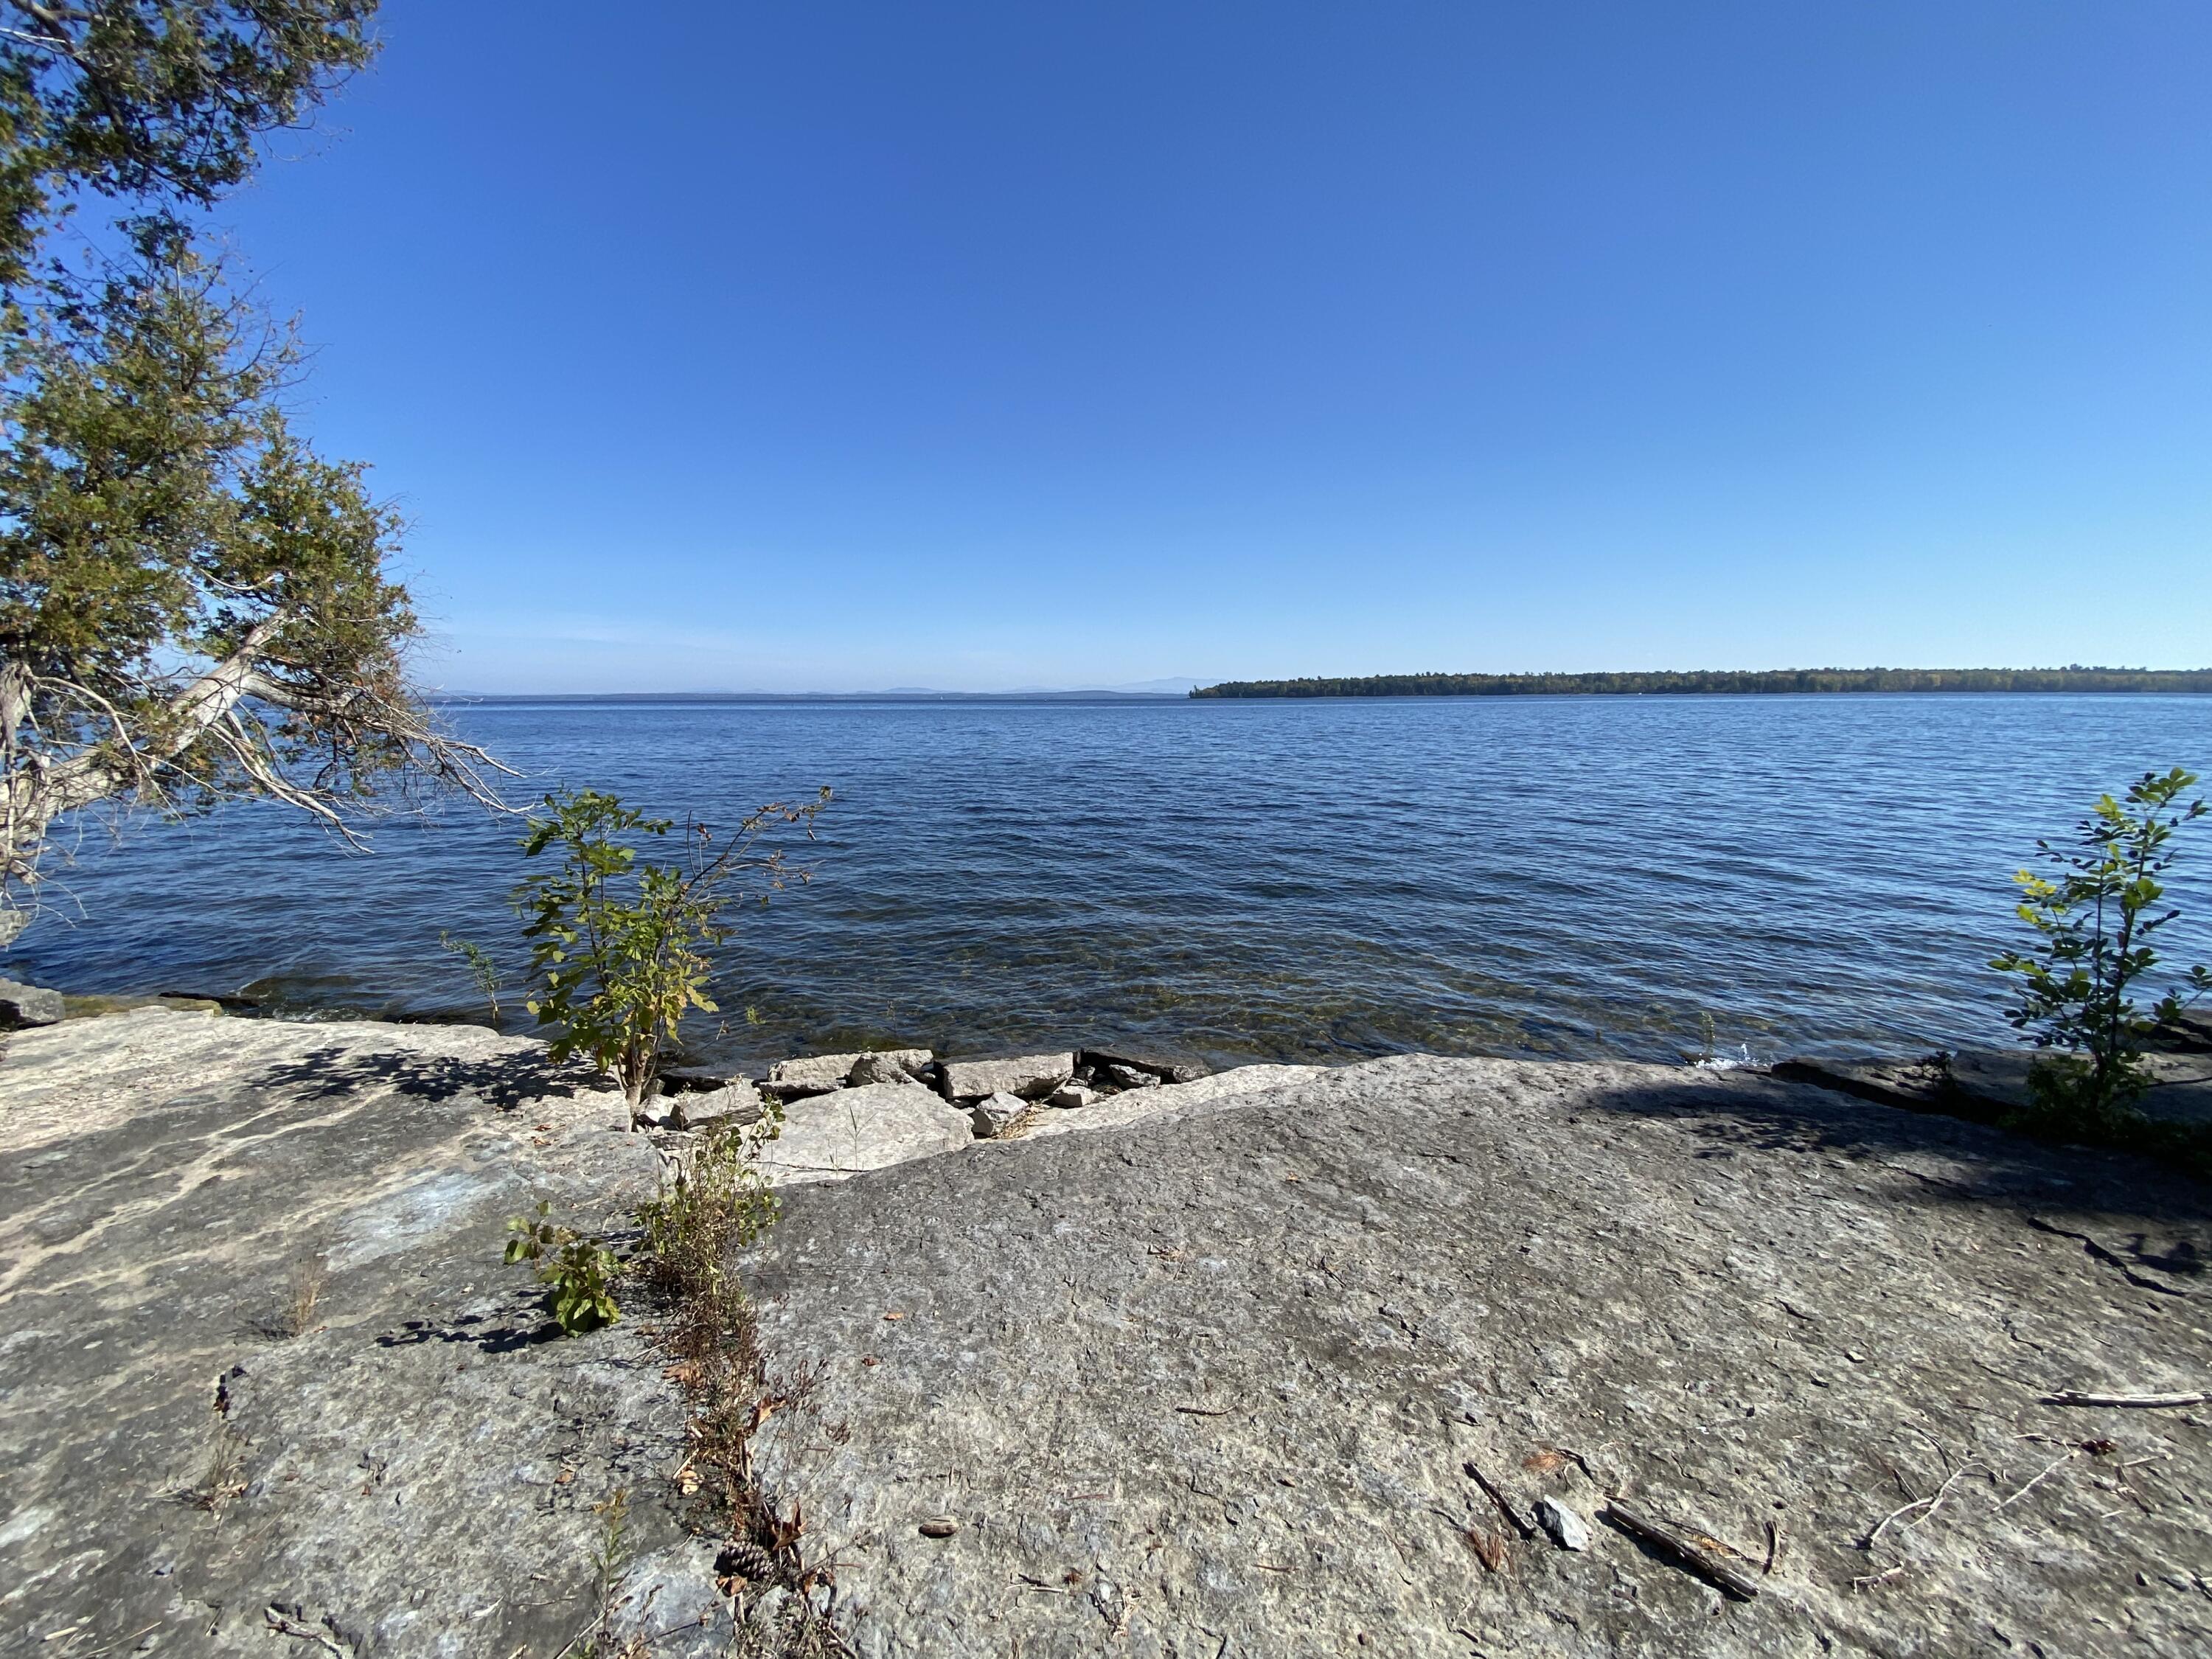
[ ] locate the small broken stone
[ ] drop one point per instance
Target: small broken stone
(1565, 1527)
(1074, 1094)
(993, 1115)
(939, 1526)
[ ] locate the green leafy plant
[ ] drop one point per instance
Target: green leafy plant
(2096, 918)
(482, 969)
(195, 606)
(581, 1270)
(716, 1203)
(617, 951)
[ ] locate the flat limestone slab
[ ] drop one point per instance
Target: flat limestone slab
(412, 1473)
(1211, 1383)
(829, 1137)
(1138, 1105)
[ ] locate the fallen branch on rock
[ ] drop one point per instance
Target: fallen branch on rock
(1933, 1502)
(2071, 1397)
(1706, 1556)
(1527, 1528)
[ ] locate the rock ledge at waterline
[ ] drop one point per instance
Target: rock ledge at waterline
(1209, 1377)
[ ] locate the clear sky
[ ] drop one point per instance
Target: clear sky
(982, 346)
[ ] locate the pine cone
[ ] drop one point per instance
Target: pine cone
(743, 1560)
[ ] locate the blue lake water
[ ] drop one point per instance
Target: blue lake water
(1574, 877)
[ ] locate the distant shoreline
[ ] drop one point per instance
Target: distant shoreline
(1729, 682)
(474, 698)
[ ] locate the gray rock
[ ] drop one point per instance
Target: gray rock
(738, 1103)
(1169, 1099)
(1919, 1085)
(1030, 1076)
(1990, 1084)
(694, 1080)
(830, 1136)
(23, 1006)
(1167, 1067)
(415, 1475)
(1126, 1077)
(993, 1113)
(2191, 1033)
(816, 1074)
(1232, 1359)
(1072, 1095)
(897, 1067)
(795, 1079)
(1562, 1525)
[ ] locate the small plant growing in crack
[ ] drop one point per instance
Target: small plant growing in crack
(578, 1269)
(298, 1316)
(221, 1481)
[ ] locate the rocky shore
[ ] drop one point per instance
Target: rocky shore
(1416, 1356)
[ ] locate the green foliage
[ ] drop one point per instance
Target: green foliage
(1723, 681)
(617, 946)
(193, 603)
(154, 100)
(2096, 920)
(580, 1270)
(482, 968)
(717, 1204)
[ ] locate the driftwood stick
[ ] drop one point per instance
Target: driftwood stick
(1700, 1554)
(1526, 1528)
(2070, 1397)
(2056, 1464)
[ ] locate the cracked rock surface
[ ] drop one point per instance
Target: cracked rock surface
(1200, 1370)
(414, 1471)
(1210, 1382)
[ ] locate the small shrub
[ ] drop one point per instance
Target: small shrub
(2097, 919)
(482, 969)
(617, 945)
(580, 1270)
(718, 1204)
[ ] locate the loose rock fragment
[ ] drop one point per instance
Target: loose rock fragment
(994, 1113)
(1562, 1525)
(939, 1526)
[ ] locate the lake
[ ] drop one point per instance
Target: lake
(1577, 877)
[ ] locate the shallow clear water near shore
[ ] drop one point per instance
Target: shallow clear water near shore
(1581, 877)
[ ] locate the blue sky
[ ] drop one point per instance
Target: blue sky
(975, 346)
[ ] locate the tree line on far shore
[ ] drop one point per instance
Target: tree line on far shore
(1736, 681)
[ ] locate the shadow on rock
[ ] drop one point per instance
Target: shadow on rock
(2099, 1197)
(478, 1331)
(504, 1081)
